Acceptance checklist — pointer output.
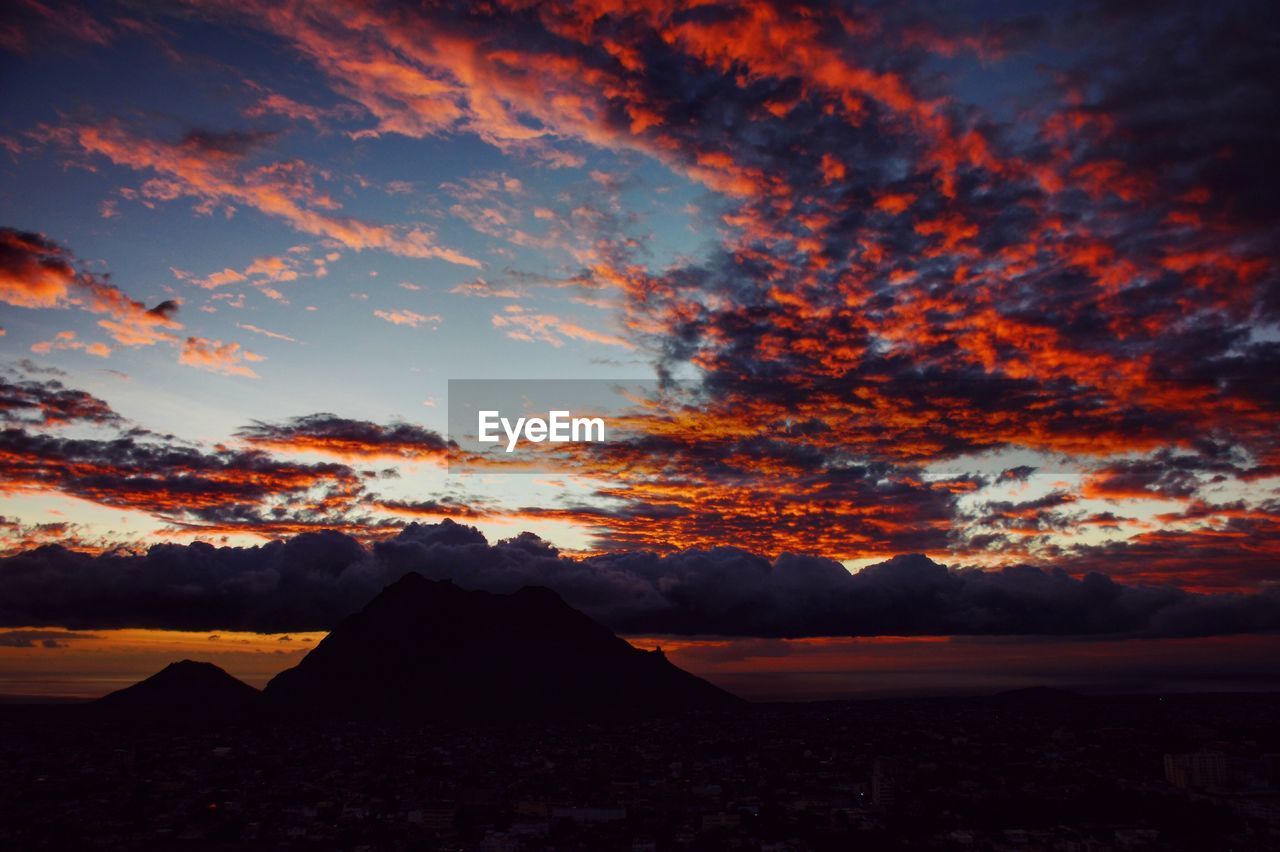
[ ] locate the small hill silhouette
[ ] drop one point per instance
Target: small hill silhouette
(187, 688)
(424, 647)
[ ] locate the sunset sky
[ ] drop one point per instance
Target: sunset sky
(987, 286)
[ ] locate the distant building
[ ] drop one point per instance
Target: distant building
(1198, 770)
(885, 779)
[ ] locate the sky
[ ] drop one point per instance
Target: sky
(970, 312)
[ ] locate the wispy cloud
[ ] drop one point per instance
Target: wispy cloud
(404, 316)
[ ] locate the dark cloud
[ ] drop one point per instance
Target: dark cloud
(29, 25)
(313, 579)
(41, 638)
(446, 506)
(230, 143)
(927, 278)
(670, 494)
(33, 269)
(1233, 547)
(165, 310)
(346, 438)
(1205, 112)
(171, 480)
(50, 403)
(36, 272)
(1013, 310)
(1026, 514)
(17, 536)
(31, 368)
(218, 489)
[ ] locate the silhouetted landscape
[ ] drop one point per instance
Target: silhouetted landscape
(647, 426)
(182, 689)
(430, 648)
(438, 718)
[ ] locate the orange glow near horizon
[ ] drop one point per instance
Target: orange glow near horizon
(90, 663)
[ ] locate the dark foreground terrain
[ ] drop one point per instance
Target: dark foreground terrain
(1026, 771)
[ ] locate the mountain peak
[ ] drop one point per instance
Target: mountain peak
(192, 667)
(413, 579)
(187, 687)
(429, 647)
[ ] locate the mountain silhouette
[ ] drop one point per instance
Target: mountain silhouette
(183, 689)
(429, 648)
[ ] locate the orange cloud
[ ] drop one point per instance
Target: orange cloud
(218, 357)
(35, 272)
(407, 317)
(548, 328)
(193, 168)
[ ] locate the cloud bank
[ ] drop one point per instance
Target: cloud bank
(312, 580)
